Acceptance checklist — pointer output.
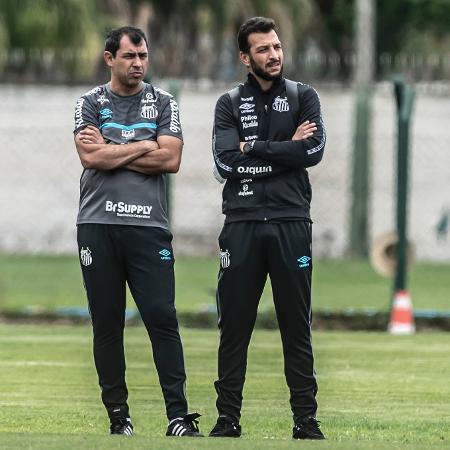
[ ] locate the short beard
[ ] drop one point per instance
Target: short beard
(261, 73)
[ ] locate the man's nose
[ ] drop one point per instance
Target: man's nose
(273, 54)
(137, 61)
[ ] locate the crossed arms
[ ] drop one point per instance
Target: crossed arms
(267, 158)
(147, 157)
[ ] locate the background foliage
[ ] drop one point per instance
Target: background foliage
(50, 40)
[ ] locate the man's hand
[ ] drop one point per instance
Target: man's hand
(304, 131)
(243, 144)
(91, 135)
(164, 157)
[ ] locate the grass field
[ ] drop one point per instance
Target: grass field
(376, 391)
(54, 281)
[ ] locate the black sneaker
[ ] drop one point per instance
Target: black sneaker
(122, 426)
(225, 427)
(185, 426)
(307, 429)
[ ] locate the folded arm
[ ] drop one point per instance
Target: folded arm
(229, 160)
(95, 153)
(304, 149)
(166, 158)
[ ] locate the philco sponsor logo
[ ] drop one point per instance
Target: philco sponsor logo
(149, 112)
(175, 126)
(247, 107)
(249, 121)
(85, 256)
(79, 113)
(248, 118)
(254, 170)
(123, 209)
(128, 134)
(224, 259)
(280, 104)
(149, 98)
(251, 138)
(245, 191)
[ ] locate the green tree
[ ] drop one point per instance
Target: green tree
(41, 35)
(412, 26)
(197, 38)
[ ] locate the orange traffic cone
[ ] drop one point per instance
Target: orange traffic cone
(402, 318)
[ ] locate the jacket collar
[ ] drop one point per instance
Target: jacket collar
(252, 81)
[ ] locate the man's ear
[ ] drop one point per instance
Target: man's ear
(108, 57)
(245, 58)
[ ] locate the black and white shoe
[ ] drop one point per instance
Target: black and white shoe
(122, 426)
(226, 427)
(307, 428)
(184, 426)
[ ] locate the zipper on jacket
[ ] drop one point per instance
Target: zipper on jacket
(266, 123)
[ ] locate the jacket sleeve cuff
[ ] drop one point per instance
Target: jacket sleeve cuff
(258, 146)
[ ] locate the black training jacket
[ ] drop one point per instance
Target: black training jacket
(270, 181)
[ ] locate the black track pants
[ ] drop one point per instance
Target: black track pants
(112, 255)
(249, 252)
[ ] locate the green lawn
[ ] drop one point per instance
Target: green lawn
(52, 282)
(376, 391)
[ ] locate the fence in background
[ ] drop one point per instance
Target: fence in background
(40, 171)
(49, 65)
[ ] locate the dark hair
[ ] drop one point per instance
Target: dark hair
(254, 25)
(113, 38)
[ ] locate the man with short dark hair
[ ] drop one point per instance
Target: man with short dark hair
(267, 131)
(128, 137)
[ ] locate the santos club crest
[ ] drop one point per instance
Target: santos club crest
(224, 259)
(149, 112)
(85, 256)
(280, 104)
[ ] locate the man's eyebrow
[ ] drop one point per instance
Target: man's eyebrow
(135, 53)
(265, 46)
